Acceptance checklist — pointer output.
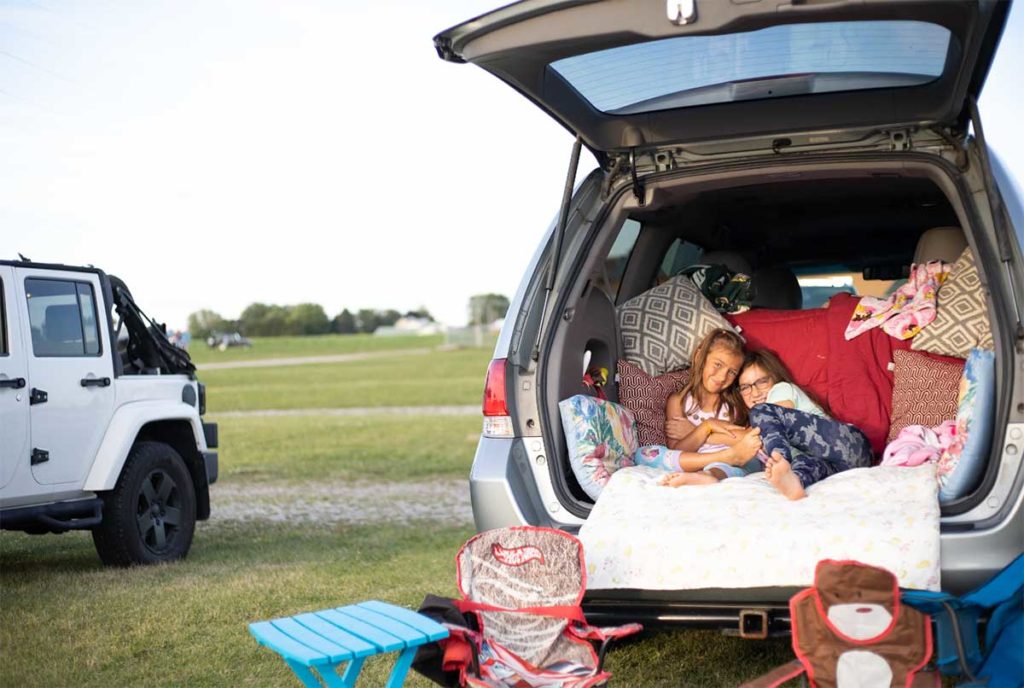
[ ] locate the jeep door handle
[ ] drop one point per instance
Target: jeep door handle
(15, 383)
(95, 381)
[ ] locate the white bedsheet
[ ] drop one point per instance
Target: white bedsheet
(742, 533)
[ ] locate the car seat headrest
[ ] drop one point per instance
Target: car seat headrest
(941, 243)
(729, 259)
(776, 287)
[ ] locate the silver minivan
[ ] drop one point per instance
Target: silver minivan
(820, 138)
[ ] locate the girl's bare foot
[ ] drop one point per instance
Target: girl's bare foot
(681, 478)
(780, 475)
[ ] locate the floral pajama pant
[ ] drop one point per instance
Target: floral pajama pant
(816, 447)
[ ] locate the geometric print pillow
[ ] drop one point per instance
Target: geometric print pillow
(924, 390)
(961, 322)
(661, 327)
(645, 397)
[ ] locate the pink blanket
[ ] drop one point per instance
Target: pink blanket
(916, 444)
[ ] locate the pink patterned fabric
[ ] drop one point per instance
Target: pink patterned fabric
(916, 444)
(909, 309)
(924, 390)
(645, 396)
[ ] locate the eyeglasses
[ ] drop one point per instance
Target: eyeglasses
(761, 384)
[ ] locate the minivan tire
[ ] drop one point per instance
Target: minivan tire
(150, 515)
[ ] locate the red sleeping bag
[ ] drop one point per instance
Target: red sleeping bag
(852, 377)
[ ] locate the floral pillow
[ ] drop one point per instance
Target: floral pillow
(601, 438)
(961, 464)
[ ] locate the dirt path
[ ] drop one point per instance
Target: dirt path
(357, 503)
(306, 360)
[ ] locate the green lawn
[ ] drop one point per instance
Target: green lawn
(321, 345)
(403, 379)
(67, 621)
(325, 448)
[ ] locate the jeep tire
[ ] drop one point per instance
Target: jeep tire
(150, 515)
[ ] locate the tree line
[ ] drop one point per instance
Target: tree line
(269, 320)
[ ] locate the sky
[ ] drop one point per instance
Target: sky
(216, 153)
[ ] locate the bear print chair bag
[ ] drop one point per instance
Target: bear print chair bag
(525, 585)
(850, 630)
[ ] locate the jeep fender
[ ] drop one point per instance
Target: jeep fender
(123, 430)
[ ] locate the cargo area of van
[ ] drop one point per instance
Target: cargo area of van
(814, 239)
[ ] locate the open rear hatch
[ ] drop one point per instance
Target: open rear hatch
(627, 74)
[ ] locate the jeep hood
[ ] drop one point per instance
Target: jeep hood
(626, 74)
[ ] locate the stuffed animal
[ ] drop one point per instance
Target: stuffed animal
(850, 630)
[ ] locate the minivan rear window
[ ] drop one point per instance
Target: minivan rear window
(784, 60)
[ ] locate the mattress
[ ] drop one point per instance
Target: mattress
(742, 533)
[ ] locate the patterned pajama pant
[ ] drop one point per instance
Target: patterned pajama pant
(815, 447)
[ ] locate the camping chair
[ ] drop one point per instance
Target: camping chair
(525, 585)
(1001, 662)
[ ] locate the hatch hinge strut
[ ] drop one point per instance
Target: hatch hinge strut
(638, 188)
(563, 220)
(999, 217)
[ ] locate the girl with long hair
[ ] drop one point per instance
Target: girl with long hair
(704, 420)
(802, 443)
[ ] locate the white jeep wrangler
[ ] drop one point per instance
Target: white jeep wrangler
(100, 417)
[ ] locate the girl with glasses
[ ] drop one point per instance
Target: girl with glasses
(802, 443)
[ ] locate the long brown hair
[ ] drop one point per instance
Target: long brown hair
(730, 396)
(768, 361)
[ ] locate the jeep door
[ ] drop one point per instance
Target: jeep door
(14, 447)
(70, 373)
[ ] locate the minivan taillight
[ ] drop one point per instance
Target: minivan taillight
(497, 422)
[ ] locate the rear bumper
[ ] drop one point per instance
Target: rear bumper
(751, 620)
(210, 435)
(212, 466)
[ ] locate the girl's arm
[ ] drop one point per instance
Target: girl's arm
(680, 433)
(744, 450)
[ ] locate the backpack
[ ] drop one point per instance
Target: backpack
(852, 629)
(997, 662)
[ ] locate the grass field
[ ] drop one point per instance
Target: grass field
(67, 621)
(328, 448)
(320, 345)
(453, 377)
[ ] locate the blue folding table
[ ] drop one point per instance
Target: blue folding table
(319, 642)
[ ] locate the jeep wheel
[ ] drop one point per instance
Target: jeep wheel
(150, 515)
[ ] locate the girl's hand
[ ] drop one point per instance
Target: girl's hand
(747, 447)
(678, 428)
(723, 427)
